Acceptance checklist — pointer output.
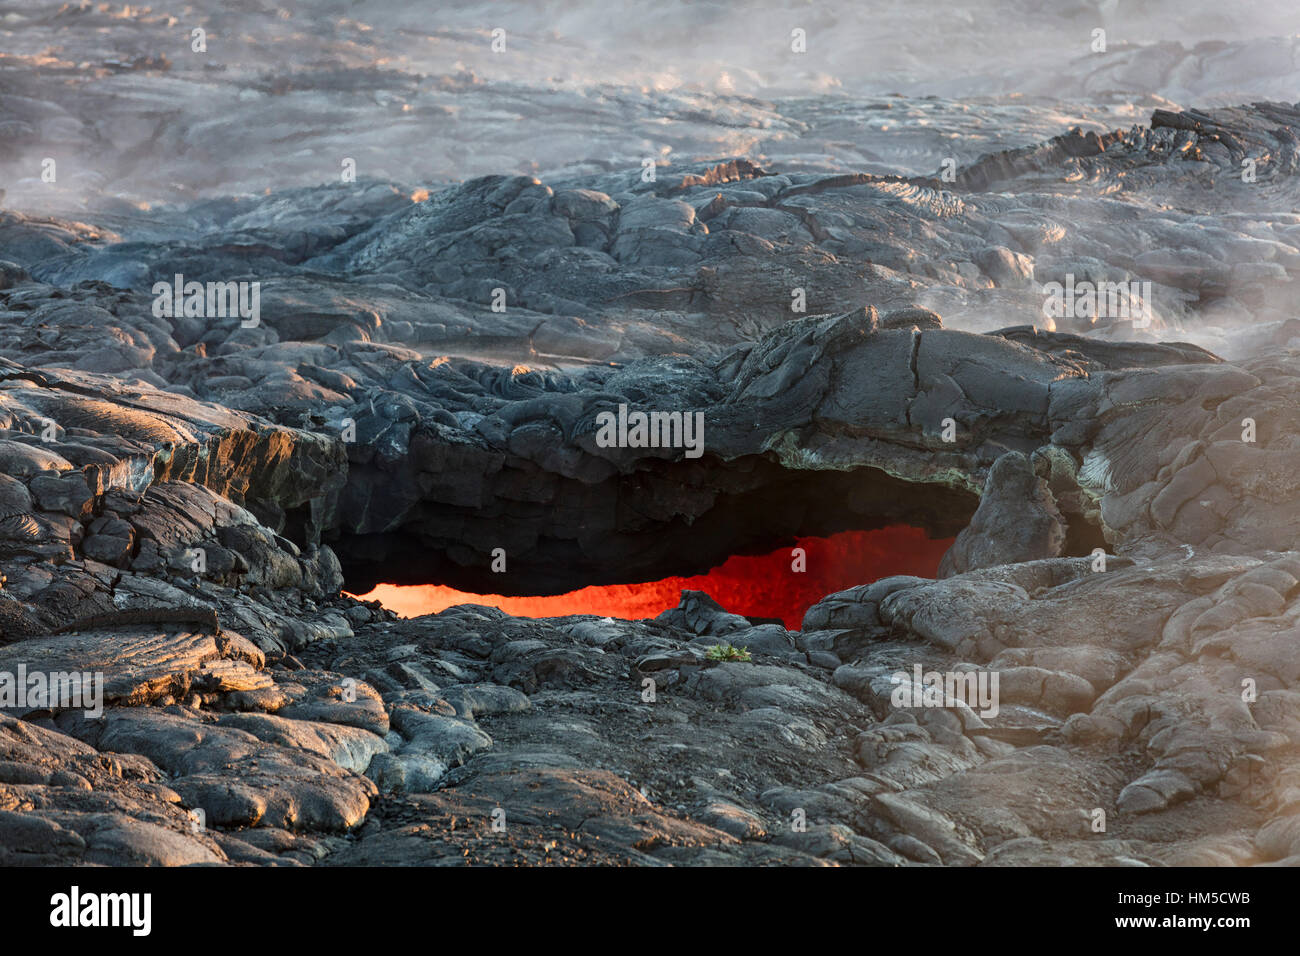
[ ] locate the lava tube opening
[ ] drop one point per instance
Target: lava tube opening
(777, 586)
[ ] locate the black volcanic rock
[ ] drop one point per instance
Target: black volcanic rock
(856, 311)
(1017, 521)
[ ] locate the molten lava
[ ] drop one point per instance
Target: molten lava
(755, 586)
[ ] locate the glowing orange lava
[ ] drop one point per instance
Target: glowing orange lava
(757, 586)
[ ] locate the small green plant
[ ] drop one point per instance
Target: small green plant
(726, 652)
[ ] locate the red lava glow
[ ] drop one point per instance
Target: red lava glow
(756, 586)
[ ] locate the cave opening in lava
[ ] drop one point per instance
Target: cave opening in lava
(778, 585)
